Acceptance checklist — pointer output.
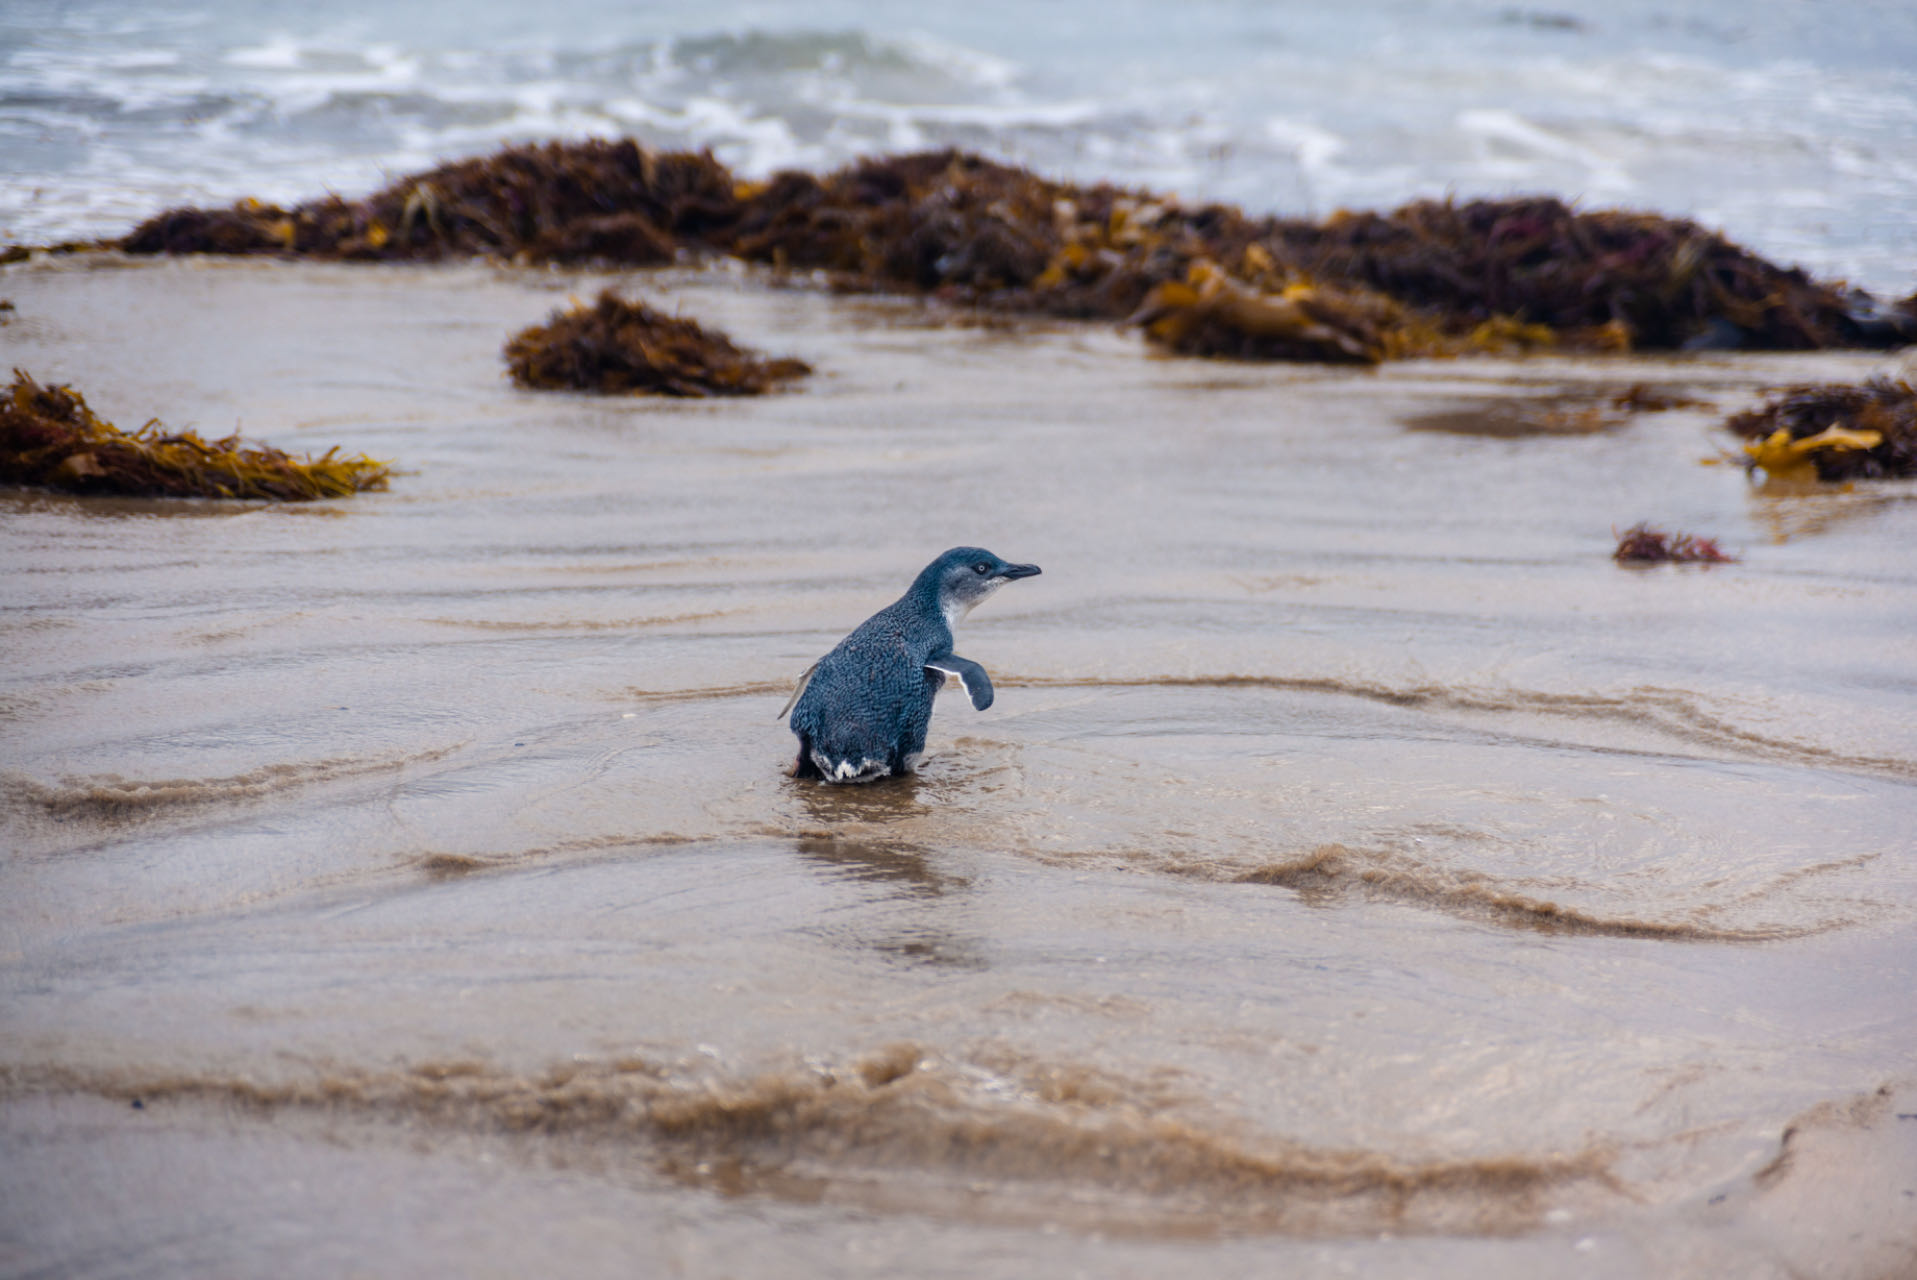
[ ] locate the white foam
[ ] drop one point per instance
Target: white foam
(1313, 148)
(140, 59)
(1487, 125)
(981, 69)
(1009, 115)
(281, 53)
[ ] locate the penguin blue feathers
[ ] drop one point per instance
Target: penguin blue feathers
(861, 711)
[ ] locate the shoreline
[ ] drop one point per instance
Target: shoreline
(1429, 278)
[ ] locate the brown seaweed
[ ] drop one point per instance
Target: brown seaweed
(50, 439)
(1642, 398)
(1656, 283)
(1432, 277)
(1212, 315)
(1829, 427)
(615, 346)
(560, 202)
(1641, 544)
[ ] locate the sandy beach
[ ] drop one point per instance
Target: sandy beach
(1358, 872)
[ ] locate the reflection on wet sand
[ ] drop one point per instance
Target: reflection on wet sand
(1515, 418)
(894, 800)
(848, 838)
(1789, 510)
(910, 869)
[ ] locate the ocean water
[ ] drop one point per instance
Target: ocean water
(1791, 126)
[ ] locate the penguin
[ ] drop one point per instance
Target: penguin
(860, 712)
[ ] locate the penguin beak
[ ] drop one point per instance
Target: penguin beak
(1019, 571)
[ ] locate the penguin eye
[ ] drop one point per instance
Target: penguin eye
(981, 568)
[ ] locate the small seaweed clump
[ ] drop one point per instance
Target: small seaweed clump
(1641, 544)
(50, 439)
(616, 346)
(1834, 431)
(1642, 398)
(1209, 314)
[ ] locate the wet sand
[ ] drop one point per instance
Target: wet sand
(1357, 871)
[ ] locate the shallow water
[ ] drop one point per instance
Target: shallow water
(1353, 853)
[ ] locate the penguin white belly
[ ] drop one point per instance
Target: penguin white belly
(866, 770)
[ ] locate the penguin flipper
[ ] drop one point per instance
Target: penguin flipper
(799, 692)
(978, 685)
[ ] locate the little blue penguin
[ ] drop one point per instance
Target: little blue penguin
(860, 712)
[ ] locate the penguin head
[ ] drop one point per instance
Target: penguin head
(964, 576)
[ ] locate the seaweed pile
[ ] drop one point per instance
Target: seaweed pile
(1432, 277)
(1833, 431)
(561, 202)
(50, 439)
(617, 346)
(1641, 544)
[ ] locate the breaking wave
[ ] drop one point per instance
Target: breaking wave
(108, 797)
(1671, 712)
(901, 1128)
(1334, 873)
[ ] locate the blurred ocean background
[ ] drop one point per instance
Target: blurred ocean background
(1790, 125)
